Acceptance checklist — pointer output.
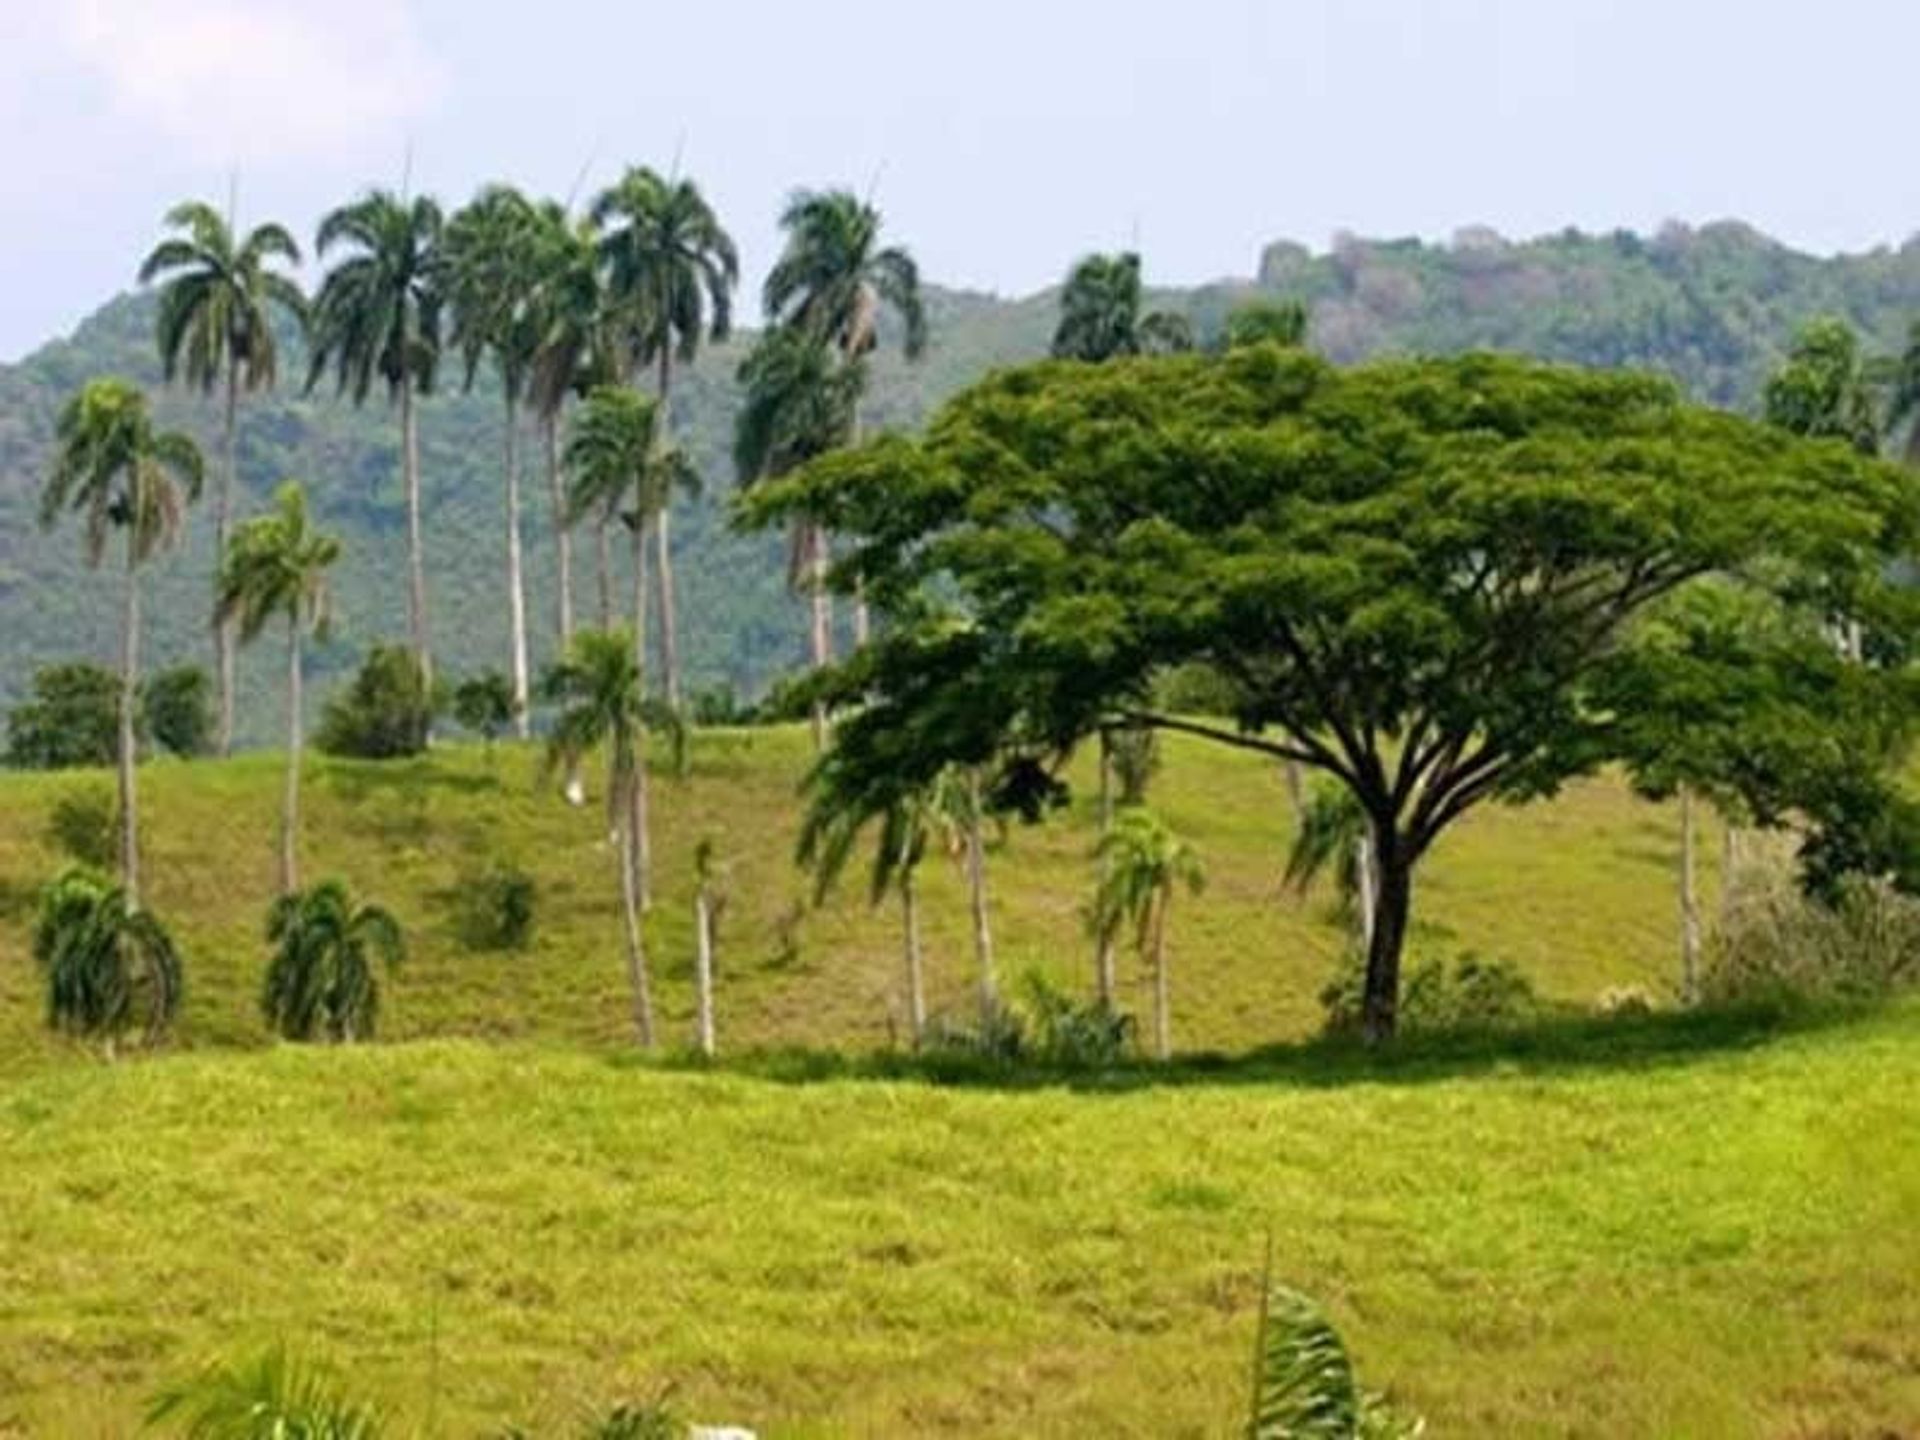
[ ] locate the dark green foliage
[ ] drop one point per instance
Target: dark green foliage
(721, 705)
(323, 978)
(108, 970)
(1304, 1387)
(1823, 390)
(1073, 1034)
(1100, 314)
(84, 824)
(72, 719)
(494, 908)
(386, 713)
(483, 704)
(1262, 322)
(178, 707)
(1468, 996)
(276, 1396)
(1784, 947)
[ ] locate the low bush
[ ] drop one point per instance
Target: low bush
(1075, 1034)
(494, 908)
(178, 706)
(1784, 946)
(84, 825)
(1469, 994)
(387, 712)
(73, 719)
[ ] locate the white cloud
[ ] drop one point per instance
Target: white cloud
(260, 80)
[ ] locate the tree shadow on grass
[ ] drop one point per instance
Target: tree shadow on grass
(1555, 1047)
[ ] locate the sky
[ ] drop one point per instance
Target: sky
(1001, 138)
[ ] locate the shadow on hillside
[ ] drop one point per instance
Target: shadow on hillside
(1557, 1047)
(357, 781)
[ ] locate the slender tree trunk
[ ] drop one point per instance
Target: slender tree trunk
(290, 803)
(129, 703)
(1162, 997)
(632, 826)
(416, 539)
(1296, 781)
(910, 944)
(642, 847)
(562, 535)
(703, 966)
(1689, 904)
(1393, 902)
(603, 572)
(822, 631)
(669, 632)
(223, 637)
(1730, 862)
(1103, 968)
(862, 620)
(977, 897)
(516, 577)
(1363, 875)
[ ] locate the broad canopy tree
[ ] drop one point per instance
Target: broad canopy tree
(1432, 580)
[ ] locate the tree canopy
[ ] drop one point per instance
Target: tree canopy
(1433, 580)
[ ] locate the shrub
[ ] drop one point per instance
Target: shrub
(720, 706)
(483, 703)
(1471, 994)
(385, 713)
(1786, 946)
(178, 707)
(1001, 1040)
(1075, 1034)
(494, 908)
(84, 824)
(73, 719)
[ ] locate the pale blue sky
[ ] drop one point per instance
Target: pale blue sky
(1004, 138)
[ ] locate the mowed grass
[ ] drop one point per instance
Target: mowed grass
(1579, 892)
(1713, 1241)
(1667, 1228)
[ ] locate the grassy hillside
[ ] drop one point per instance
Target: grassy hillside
(1712, 307)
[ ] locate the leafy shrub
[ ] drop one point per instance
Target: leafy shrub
(84, 824)
(73, 719)
(494, 908)
(483, 703)
(721, 706)
(1000, 1040)
(178, 706)
(386, 713)
(1075, 1034)
(1786, 946)
(1470, 994)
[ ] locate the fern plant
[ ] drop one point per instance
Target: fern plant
(275, 1396)
(1304, 1386)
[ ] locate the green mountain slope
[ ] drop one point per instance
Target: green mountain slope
(1711, 307)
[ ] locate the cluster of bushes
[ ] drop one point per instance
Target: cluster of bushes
(72, 718)
(1467, 994)
(1049, 1028)
(1786, 947)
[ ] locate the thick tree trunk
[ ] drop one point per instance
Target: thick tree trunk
(642, 847)
(223, 636)
(669, 632)
(632, 826)
(129, 703)
(562, 536)
(1103, 967)
(703, 966)
(821, 634)
(910, 945)
(516, 579)
(1689, 904)
(1393, 902)
(977, 899)
(1162, 990)
(416, 537)
(290, 802)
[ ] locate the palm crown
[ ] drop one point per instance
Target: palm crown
(218, 297)
(833, 276)
(115, 468)
(276, 565)
(670, 266)
(616, 460)
(492, 269)
(378, 311)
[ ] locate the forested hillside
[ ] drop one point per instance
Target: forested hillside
(1710, 306)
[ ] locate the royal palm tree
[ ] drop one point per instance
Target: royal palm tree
(598, 689)
(110, 968)
(323, 979)
(798, 402)
(1902, 379)
(493, 269)
(671, 269)
(218, 300)
(378, 316)
(276, 568)
(1147, 863)
(832, 280)
(1100, 315)
(114, 468)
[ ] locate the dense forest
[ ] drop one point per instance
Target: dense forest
(1712, 306)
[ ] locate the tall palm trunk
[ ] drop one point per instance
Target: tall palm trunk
(416, 540)
(669, 631)
(822, 629)
(603, 571)
(1162, 996)
(223, 638)
(910, 943)
(977, 898)
(290, 802)
(1363, 883)
(1103, 969)
(516, 578)
(1689, 904)
(562, 535)
(642, 846)
(632, 826)
(862, 620)
(703, 966)
(129, 700)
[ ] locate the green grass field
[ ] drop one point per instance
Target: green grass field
(1668, 1227)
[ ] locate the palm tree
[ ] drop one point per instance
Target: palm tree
(598, 687)
(798, 402)
(1100, 315)
(113, 467)
(276, 567)
(110, 967)
(1824, 389)
(1147, 862)
(377, 315)
(832, 279)
(275, 1396)
(707, 903)
(1902, 378)
(958, 810)
(323, 979)
(493, 254)
(1334, 833)
(215, 327)
(671, 269)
